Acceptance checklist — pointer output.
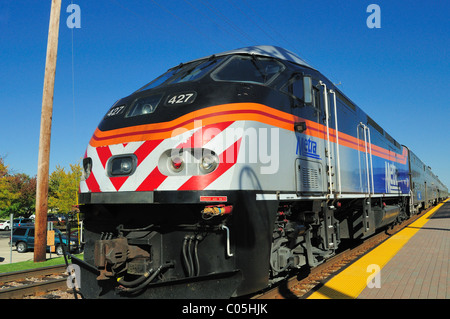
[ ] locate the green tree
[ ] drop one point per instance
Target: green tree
(63, 188)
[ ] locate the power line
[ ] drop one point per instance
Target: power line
(212, 21)
(278, 34)
(267, 24)
(253, 21)
(220, 15)
(73, 91)
(186, 23)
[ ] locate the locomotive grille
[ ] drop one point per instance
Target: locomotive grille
(310, 178)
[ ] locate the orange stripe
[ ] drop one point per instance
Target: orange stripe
(234, 112)
(207, 116)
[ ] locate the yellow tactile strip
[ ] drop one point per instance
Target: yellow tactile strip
(350, 282)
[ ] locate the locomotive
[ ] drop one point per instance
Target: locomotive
(225, 173)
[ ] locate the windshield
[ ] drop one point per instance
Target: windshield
(239, 68)
(183, 73)
(249, 69)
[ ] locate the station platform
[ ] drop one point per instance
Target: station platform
(412, 264)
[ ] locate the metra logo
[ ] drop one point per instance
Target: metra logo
(307, 147)
(391, 177)
(419, 195)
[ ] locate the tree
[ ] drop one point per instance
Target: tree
(63, 188)
(24, 187)
(17, 193)
(7, 198)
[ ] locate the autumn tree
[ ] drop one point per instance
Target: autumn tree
(63, 188)
(25, 187)
(7, 198)
(17, 193)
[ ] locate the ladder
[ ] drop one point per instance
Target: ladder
(368, 157)
(328, 149)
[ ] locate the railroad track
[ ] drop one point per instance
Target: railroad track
(33, 282)
(297, 286)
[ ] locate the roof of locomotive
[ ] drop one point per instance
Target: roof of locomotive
(268, 51)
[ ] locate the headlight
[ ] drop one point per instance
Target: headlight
(209, 163)
(176, 163)
(188, 162)
(122, 165)
(87, 167)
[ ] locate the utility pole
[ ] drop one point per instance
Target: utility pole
(40, 236)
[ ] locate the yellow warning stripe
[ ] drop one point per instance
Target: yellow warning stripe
(349, 283)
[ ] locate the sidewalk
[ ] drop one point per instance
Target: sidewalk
(16, 257)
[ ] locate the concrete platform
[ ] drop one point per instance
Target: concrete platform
(412, 264)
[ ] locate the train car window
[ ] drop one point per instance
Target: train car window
(162, 79)
(345, 101)
(249, 69)
(294, 87)
(316, 98)
(144, 105)
(196, 72)
(374, 124)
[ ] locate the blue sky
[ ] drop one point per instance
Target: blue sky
(399, 73)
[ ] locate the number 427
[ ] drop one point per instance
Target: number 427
(181, 98)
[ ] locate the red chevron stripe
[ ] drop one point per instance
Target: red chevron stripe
(118, 181)
(153, 180)
(92, 183)
(145, 149)
(104, 153)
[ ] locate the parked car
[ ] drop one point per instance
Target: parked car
(20, 222)
(74, 234)
(23, 239)
(57, 221)
(6, 225)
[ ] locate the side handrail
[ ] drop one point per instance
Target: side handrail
(338, 160)
(328, 152)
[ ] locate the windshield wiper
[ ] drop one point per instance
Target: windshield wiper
(255, 63)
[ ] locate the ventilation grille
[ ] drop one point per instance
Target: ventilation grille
(310, 178)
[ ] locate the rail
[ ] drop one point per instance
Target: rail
(17, 284)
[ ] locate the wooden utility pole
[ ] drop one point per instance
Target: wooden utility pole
(40, 236)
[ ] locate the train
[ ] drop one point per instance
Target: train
(229, 172)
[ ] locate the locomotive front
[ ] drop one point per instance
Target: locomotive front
(172, 176)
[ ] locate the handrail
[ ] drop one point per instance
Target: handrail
(337, 142)
(328, 152)
(368, 151)
(371, 163)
